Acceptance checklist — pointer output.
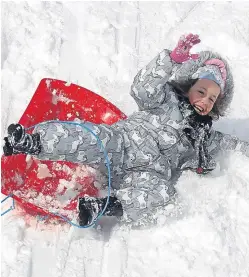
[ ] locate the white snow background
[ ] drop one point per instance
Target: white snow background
(101, 46)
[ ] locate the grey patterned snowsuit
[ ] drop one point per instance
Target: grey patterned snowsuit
(149, 149)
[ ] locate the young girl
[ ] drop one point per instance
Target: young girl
(178, 94)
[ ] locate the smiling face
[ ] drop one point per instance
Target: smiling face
(202, 95)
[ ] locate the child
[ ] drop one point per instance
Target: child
(178, 95)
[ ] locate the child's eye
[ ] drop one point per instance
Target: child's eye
(212, 100)
(201, 92)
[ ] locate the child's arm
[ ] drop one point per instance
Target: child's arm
(148, 88)
(223, 142)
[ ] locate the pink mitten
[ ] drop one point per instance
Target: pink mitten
(181, 52)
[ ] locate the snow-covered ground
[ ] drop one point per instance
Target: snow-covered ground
(101, 46)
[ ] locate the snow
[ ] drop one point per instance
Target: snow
(101, 46)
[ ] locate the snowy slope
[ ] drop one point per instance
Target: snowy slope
(101, 46)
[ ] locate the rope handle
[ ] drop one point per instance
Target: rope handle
(11, 207)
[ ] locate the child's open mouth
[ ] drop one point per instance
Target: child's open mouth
(198, 109)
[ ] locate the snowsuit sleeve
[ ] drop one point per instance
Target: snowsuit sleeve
(223, 142)
(74, 143)
(148, 88)
(142, 193)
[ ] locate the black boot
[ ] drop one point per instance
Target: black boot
(91, 207)
(19, 142)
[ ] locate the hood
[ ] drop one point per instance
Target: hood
(183, 73)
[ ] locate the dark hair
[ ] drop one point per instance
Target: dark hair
(182, 90)
(215, 114)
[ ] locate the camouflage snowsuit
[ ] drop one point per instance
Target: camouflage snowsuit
(147, 150)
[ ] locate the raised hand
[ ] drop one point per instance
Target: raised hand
(181, 52)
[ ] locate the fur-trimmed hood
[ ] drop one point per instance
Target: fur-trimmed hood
(189, 70)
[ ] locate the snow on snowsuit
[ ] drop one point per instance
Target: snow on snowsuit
(148, 149)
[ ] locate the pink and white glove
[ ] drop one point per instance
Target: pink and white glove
(181, 52)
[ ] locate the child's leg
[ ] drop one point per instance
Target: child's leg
(72, 142)
(139, 197)
(142, 193)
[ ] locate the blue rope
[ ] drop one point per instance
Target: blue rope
(11, 207)
(107, 164)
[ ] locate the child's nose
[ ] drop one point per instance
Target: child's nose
(205, 101)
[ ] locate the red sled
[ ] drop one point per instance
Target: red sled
(43, 188)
